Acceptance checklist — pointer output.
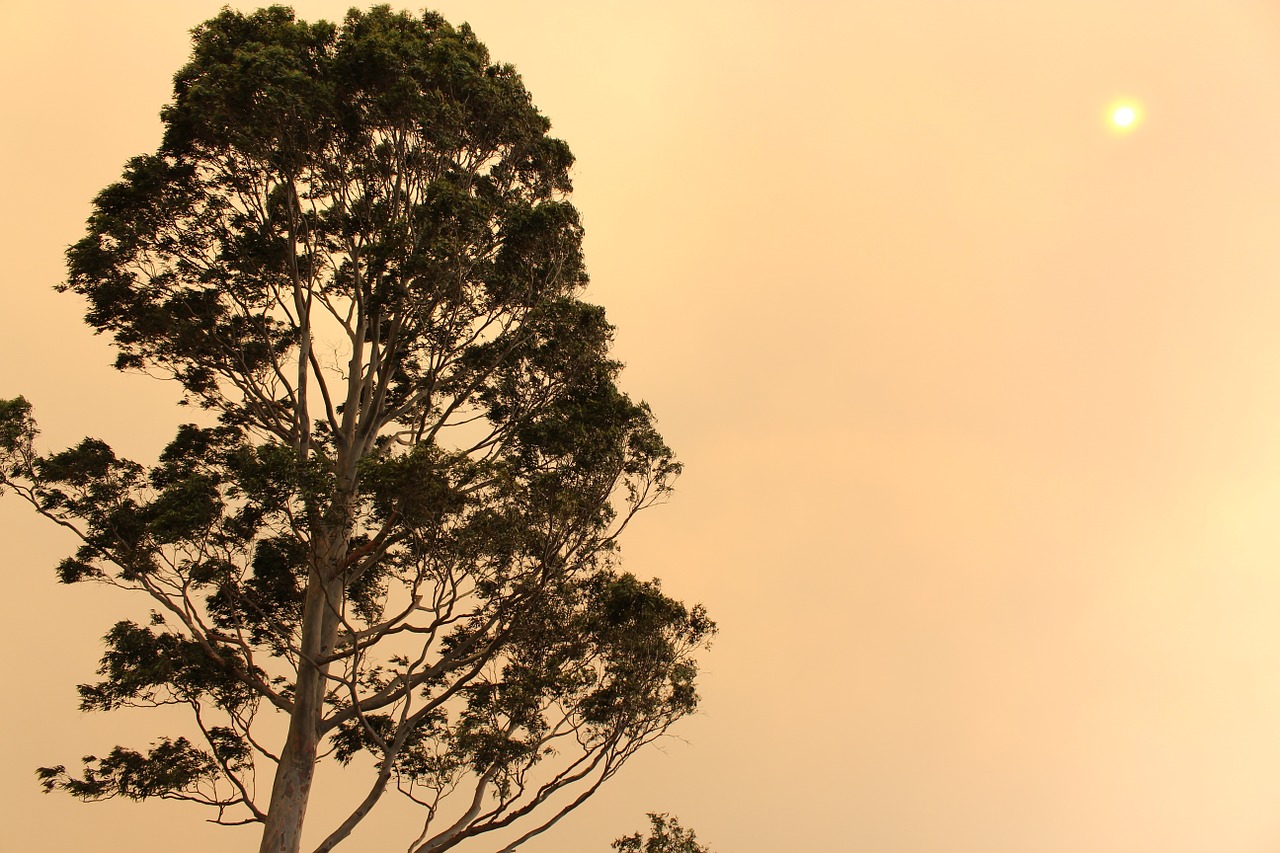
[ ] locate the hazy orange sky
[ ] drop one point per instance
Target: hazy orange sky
(979, 404)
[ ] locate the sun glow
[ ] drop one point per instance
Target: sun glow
(1124, 116)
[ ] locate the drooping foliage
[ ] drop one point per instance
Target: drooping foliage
(397, 526)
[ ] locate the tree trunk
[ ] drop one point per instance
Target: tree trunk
(292, 786)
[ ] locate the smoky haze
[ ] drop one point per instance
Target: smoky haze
(978, 402)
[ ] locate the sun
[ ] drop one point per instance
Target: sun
(1124, 116)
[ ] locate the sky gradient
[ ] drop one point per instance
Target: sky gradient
(978, 400)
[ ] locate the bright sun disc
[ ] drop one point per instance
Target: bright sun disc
(1124, 117)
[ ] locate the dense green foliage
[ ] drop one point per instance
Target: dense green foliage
(397, 527)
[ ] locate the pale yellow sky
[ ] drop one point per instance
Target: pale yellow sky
(979, 404)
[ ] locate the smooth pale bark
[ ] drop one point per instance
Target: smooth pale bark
(291, 789)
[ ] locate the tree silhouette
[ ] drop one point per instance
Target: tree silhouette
(397, 529)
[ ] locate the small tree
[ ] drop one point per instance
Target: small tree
(354, 248)
(666, 835)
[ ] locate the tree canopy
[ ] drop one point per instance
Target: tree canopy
(396, 527)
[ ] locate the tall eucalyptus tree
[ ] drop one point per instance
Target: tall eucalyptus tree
(397, 528)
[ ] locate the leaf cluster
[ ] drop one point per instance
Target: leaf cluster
(666, 835)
